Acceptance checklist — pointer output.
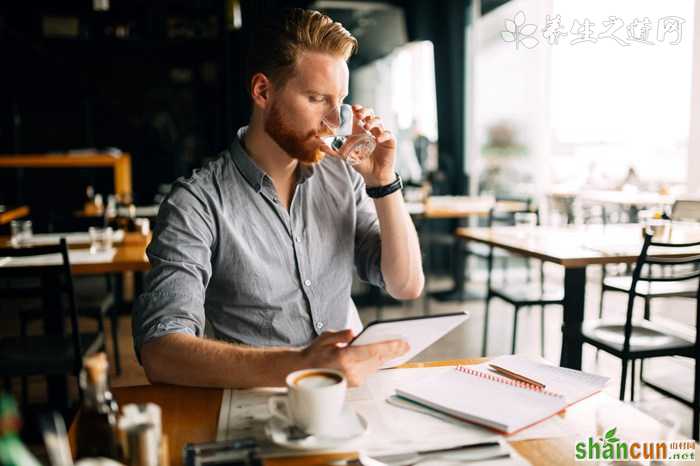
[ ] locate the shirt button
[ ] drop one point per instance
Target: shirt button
(307, 283)
(297, 238)
(275, 200)
(319, 325)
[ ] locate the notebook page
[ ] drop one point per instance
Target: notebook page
(501, 406)
(572, 384)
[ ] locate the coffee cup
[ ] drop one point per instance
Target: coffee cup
(314, 401)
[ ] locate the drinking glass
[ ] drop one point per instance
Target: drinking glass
(100, 239)
(21, 232)
(351, 142)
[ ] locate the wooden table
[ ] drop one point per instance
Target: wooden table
(574, 248)
(9, 214)
(633, 201)
(130, 256)
(452, 207)
(190, 415)
(120, 162)
(143, 211)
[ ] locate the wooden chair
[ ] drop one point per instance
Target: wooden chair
(519, 296)
(93, 304)
(56, 352)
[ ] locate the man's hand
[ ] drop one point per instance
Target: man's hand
(378, 169)
(330, 350)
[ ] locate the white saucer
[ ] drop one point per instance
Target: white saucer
(351, 427)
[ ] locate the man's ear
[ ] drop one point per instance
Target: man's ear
(260, 89)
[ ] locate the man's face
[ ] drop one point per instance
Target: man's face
(294, 118)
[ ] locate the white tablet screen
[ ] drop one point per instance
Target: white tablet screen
(419, 332)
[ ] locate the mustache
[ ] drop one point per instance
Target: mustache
(323, 132)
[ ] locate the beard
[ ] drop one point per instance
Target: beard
(300, 146)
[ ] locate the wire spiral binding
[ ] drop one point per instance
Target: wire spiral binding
(503, 380)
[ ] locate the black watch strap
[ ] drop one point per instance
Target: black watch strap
(381, 191)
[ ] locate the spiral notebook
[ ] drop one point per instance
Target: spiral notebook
(495, 402)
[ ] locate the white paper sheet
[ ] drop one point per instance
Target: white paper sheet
(572, 384)
(78, 256)
(80, 237)
(244, 413)
(419, 333)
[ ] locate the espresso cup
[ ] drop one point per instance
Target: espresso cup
(314, 401)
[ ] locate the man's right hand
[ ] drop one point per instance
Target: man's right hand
(331, 350)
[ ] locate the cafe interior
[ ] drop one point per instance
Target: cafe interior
(549, 153)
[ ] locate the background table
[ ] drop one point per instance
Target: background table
(574, 248)
(631, 200)
(9, 213)
(130, 256)
(119, 162)
(190, 415)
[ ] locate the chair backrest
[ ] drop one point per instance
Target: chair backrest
(684, 259)
(504, 210)
(503, 213)
(686, 209)
(55, 284)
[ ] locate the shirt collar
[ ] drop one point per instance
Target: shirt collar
(248, 168)
(253, 174)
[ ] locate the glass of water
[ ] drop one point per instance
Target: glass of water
(21, 232)
(354, 144)
(100, 239)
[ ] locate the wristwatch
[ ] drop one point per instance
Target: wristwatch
(381, 191)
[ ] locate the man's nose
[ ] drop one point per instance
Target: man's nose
(332, 119)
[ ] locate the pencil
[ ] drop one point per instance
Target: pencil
(515, 376)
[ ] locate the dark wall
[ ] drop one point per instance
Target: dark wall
(170, 102)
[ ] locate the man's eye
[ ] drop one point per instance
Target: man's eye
(316, 99)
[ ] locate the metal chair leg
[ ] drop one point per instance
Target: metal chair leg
(101, 329)
(633, 379)
(647, 307)
(623, 379)
(484, 341)
(114, 317)
(515, 328)
(600, 308)
(696, 401)
(542, 331)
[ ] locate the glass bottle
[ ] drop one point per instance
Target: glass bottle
(97, 421)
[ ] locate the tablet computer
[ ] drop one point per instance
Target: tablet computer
(419, 332)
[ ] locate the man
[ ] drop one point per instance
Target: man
(262, 242)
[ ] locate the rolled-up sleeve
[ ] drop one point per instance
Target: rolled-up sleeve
(368, 243)
(180, 257)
